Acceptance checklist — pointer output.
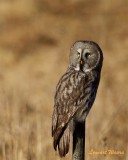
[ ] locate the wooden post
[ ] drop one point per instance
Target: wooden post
(79, 141)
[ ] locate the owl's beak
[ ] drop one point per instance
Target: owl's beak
(81, 62)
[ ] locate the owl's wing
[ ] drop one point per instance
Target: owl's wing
(60, 122)
(67, 102)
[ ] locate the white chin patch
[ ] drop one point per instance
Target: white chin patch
(77, 68)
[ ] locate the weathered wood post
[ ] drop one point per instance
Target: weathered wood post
(79, 141)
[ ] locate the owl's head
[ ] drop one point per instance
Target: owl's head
(86, 56)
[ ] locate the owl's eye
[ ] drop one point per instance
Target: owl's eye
(78, 54)
(87, 54)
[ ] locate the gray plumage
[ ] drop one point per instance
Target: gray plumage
(76, 91)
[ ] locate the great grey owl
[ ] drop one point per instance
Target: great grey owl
(75, 91)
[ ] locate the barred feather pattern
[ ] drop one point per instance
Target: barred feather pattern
(75, 94)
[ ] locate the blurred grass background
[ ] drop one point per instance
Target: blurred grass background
(35, 39)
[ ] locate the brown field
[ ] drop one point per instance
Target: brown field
(35, 37)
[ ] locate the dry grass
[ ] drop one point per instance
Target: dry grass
(35, 37)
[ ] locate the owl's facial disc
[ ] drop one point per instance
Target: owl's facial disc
(86, 59)
(85, 56)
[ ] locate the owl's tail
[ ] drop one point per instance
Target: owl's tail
(63, 145)
(63, 142)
